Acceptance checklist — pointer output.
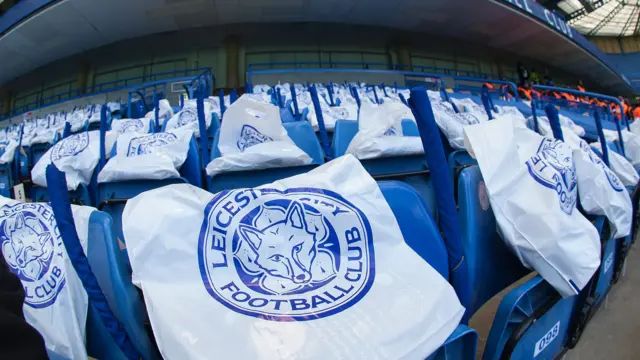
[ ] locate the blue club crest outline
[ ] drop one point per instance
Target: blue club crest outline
(30, 246)
(130, 125)
(551, 171)
(250, 136)
(613, 180)
(205, 244)
(71, 146)
(146, 144)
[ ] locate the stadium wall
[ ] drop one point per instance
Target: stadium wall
(228, 50)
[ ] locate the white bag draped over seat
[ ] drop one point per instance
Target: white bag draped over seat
(451, 123)
(620, 166)
(76, 155)
(55, 300)
(252, 137)
(188, 117)
(122, 126)
(148, 156)
(165, 112)
(380, 132)
(310, 267)
(532, 187)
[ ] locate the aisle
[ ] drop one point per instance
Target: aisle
(613, 332)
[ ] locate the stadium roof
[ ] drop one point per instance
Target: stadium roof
(603, 17)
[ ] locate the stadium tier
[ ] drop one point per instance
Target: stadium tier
(263, 204)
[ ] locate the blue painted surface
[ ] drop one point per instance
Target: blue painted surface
(555, 22)
(19, 12)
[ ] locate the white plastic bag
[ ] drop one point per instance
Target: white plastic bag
(347, 110)
(55, 300)
(287, 270)
(509, 111)
(188, 117)
(451, 123)
(122, 126)
(76, 155)
(147, 157)
(621, 167)
(380, 133)
(532, 187)
(7, 151)
(252, 137)
(601, 192)
(467, 105)
(165, 112)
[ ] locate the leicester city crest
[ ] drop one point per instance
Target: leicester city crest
(250, 136)
(33, 249)
(553, 167)
(130, 125)
(613, 180)
(146, 144)
(71, 146)
(187, 115)
(293, 255)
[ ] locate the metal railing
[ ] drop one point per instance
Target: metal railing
(96, 89)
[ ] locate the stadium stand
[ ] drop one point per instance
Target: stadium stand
(123, 202)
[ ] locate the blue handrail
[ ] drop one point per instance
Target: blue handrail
(96, 89)
(597, 96)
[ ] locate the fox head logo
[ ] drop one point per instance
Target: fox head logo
(131, 125)
(187, 116)
(561, 159)
(553, 167)
(70, 146)
(147, 144)
(285, 253)
(29, 246)
(250, 136)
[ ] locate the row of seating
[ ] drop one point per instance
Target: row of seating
(413, 187)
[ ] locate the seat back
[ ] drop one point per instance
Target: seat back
(421, 233)
(532, 320)
(6, 180)
(411, 169)
(113, 273)
(493, 266)
(112, 196)
(302, 135)
(36, 151)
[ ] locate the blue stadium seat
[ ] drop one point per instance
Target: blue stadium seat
(528, 312)
(113, 272)
(83, 195)
(411, 169)
(113, 196)
(111, 268)
(421, 233)
(36, 151)
(302, 135)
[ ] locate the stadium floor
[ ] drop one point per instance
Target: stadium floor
(613, 332)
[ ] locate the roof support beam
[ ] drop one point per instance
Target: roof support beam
(582, 12)
(632, 16)
(606, 19)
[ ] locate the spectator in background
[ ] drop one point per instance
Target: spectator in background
(581, 86)
(534, 77)
(523, 74)
(636, 110)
